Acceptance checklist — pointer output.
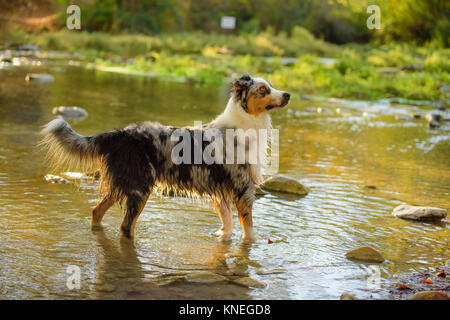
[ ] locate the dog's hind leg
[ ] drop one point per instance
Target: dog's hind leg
(100, 210)
(226, 216)
(134, 206)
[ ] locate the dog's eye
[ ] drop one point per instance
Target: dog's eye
(263, 90)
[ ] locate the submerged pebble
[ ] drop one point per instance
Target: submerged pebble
(55, 179)
(365, 254)
(419, 213)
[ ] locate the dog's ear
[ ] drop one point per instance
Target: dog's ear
(242, 83)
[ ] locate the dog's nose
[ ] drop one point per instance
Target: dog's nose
(286, 95)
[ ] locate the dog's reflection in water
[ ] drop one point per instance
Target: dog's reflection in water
(118, 268)
(121, 275)
(232, 264)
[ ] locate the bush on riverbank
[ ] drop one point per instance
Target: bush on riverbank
(266, 43)
(357, 71)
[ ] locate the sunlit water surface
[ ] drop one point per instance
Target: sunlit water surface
(46, 227)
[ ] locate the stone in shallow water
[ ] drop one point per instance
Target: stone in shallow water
(6, 58)
(55, 179)
(419, 213)
(430, 295)
(204, 277)
(365, 254)
(281, 183)
(249, 282)
(348, 296)
(70, 112)
(39, 77)
(74, 175)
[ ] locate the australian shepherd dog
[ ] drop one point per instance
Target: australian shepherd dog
(138, 160)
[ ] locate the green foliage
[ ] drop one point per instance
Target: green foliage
(336, 21)
(263, 44)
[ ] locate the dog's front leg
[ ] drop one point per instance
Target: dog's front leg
(226, 216)
(245, 219)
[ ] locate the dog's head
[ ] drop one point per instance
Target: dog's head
(256, 95)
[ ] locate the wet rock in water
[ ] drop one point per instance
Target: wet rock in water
(39, 77)
(6, 58)
(55, 179)
(433, 120)
(249, 282)
(204, 277)
(419, 213)
(74, 175)
(433, 117)
(348, 296)
(281, 183)
(70, 112)
(430, 295)
(416, 115)
(370, 187)
(365, 254)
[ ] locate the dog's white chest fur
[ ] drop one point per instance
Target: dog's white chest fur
(235, 117)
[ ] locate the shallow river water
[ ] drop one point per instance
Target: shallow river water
(338, 153)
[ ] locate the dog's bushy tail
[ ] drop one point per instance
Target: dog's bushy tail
(68, 150)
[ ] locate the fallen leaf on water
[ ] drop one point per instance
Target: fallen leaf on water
(269, 241)
(428, 281)
(402, 287)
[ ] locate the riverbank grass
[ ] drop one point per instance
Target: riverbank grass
(295, 62)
